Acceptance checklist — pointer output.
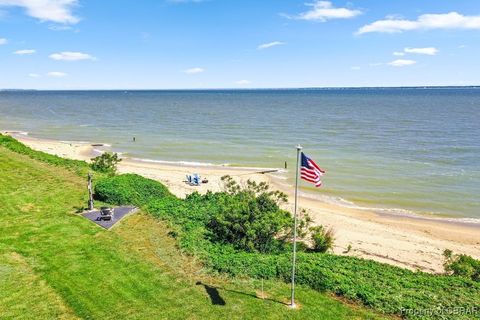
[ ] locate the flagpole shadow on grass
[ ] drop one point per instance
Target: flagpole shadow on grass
(213, 294)
(212, 291)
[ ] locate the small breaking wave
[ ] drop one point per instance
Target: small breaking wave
(399, 212)
(182, 163)
(209, 164)
(14, 132)
(389, 211)
(101, 145)
(75, 142)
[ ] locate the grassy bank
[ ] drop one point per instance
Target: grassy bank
(56, 264)
(383, 287)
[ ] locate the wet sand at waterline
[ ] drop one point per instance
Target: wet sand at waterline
(405, 241)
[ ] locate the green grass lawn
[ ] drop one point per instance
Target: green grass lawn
(56, 264)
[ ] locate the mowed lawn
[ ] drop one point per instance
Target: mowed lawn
(55, 264)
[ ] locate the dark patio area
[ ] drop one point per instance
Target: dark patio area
(119, 213)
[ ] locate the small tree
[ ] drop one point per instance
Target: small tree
(250, 217)
(461, 265)
(106, 163)
(322, 238)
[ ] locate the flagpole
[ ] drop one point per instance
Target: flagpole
(292, 302)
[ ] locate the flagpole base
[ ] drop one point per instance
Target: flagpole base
(292, 306)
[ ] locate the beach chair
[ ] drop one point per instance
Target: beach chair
(196, 179)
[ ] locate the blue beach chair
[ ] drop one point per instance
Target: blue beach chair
(196, 179)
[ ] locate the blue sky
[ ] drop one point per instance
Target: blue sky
(163, 44)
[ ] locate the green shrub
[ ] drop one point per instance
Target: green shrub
(129, 189)
(106, 163)
(322, 238)
(462, 265)
(249, 220)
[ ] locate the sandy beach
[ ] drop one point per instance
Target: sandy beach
(409, 242)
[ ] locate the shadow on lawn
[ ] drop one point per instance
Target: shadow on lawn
(216, 299)
(213, 294)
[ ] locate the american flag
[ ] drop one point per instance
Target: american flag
(310, 171)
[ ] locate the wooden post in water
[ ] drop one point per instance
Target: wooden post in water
(90, 193)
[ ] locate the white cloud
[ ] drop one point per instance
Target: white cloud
(355, 68)
(451, 20)
(25, 51)
(402, 63)
(3, 41)
(431, 51)
(56, 74)
(34, 75)
(270, 44)
(243, 82)
(59, 11)
(71, 56)
(195, 70)
(398, 54)
(324, 10)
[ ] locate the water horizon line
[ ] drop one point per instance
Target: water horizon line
(246, 89)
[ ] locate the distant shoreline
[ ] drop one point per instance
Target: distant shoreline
(250, 89)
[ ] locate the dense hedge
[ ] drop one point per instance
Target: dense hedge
(129, 188)
(383, 287)
(380, 286)
(18, 147)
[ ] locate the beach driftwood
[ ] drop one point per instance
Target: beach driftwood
(267, 171)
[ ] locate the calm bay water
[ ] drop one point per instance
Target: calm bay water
(404, 149)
